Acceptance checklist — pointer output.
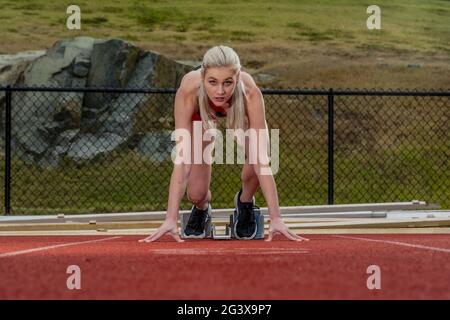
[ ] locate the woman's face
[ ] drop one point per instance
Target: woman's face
(219, 84)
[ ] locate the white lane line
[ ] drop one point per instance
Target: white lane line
(16, 253)
(236, 251)
(418, 246)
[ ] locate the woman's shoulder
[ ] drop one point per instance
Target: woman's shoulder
(191, 82)
(249, 83)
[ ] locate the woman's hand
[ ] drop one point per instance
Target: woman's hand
(277, 226)
(168, 227)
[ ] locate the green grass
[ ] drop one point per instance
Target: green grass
(131, 183)
(95, 20)
(393, 149)
(403, 175)
(412, 25)
(400, 165)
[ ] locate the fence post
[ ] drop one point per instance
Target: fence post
(8, 151)
(330, 147)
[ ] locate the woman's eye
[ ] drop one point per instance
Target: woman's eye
(227, 83)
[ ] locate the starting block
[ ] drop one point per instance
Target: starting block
(212, 233)
(222, 236)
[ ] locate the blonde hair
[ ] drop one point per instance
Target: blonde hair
(223, 56)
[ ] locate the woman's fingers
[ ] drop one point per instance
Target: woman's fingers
(176, 236)
(296, 236)
(271, 234)
(292, 236)
(151, 238)
(145, 240)
(287, 233)
(159, 233)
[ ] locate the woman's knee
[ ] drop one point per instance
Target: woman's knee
(248, 172)
(197, 196)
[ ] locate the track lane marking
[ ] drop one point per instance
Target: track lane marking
(16, 253)
(417, 246)
(234, 251)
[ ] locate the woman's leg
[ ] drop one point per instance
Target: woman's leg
(199, 180)
(245, 225)
(198, 185)
(198, 224)
(250, 183)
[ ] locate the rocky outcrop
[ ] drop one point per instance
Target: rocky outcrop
(13, 65)
(47, 126)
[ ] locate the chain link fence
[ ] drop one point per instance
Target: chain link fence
(89, 150)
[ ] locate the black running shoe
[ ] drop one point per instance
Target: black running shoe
(198, 222)
(245, 225)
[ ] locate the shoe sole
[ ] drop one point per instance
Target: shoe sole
(236, 199)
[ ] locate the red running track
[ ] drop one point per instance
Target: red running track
(327, 267)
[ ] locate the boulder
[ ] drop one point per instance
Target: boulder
(47, 126)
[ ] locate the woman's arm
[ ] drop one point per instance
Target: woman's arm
(257, 121)
(183, 110)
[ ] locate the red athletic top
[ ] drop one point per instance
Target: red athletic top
(219, 112)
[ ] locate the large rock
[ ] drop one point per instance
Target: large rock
(47, 126)
(157, 146)
(13, 65)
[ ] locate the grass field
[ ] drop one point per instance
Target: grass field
(390, 150)
(130, 183)
(300, 43)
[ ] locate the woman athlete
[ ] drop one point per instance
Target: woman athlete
(219, 89)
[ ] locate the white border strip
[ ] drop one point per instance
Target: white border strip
(225, 212)
(16, 253)
(417, 246)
